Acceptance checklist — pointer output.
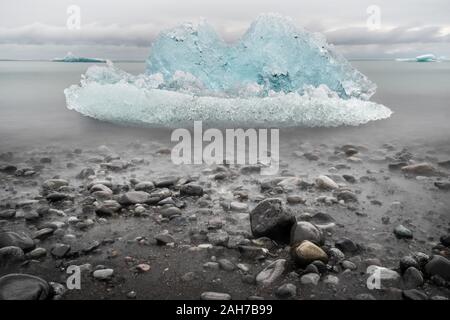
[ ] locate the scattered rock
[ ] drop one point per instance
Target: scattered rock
(331, 280)
(303, 230)
(60, 250)
(310, 279)
(445, 240)
(412, 278)
(443, 185)
(146, 186)
(85, 173)
(440, 266)
(271, 273)
(219, 238)
(23, 287)
(347, 246)
(11, 255)
(287, 290)
(164, 238)
(7, 214)
(270, 219)
(347, 196)
(422, 169)
(191, 190)
(13, 239)
(402, 232)
(226, 265)
(414, 294)
(326, 183)
(134, 197)
(170, 212)
(408, 261)
(215, 296)
(295, 199)
(37, 253)
(307, 252)
(103, 274)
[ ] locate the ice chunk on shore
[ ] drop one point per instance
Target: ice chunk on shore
(274, 53)
(137, 100)
(276, 75)
(70, 57)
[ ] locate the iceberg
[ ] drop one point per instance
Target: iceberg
(70, 57)
(277, 74)
(429, 57)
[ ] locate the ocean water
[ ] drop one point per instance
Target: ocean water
(33, 111)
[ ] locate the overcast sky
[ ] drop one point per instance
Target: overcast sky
(36, 29)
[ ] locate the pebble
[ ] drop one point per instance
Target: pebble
(445, 240)
(271, 273)
(191, 190)
(146, 186)
(134, 197)
(310, 279)
(408, 261)
(218, 238)
(11, 255)
(37, 253)
(7, 214)
(23, 287)
(423, 169)
(163, 239)
(414, 294)
(269, 219)
(443, 185)
(348, 265)
(304, 230)
(307, 252)
(60, 250)
(22, 241)
(143, 267)
(287, 290)
(215, 296)
(295, 199)
(326, 183)
(412, 278)
(402, 232)
(238, 206)
(170, 212)
(347, 196)
(331, 280)
(226, 265)
(103, 274)
(347, 246)
(439, 266)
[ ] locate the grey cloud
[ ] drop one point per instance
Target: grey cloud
(143, 34)
(399, 35)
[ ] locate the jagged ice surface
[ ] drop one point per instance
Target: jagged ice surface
(276, 75)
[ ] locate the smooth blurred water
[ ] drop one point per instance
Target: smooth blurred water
(33, 110)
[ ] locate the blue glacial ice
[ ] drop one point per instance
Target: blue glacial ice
(70, 57)
(429, 57)
(276, 75)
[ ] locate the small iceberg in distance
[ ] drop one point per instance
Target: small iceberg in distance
(70, 57)
(429, 57)
(277, 74)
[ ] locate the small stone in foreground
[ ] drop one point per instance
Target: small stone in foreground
(402, 232)
(215, 296)
(23, 287)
